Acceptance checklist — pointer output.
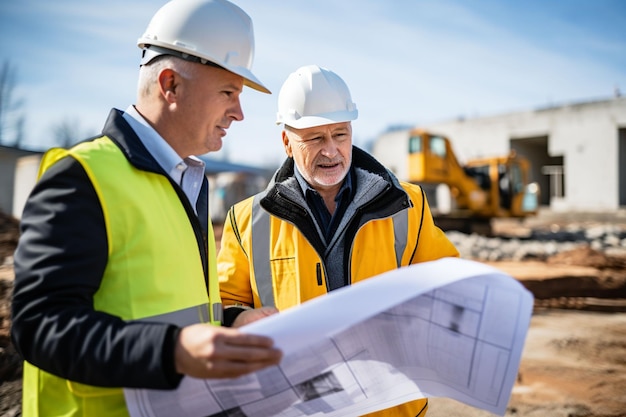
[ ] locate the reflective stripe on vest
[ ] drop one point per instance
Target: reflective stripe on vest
(185, 317)
(217, 311)
(261, 247)
(261, 252)
(400, 231)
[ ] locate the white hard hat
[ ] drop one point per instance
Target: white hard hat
(314, 96)
(205, 31)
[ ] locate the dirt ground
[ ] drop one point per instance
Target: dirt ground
(573, 363)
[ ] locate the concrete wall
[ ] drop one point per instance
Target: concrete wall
(9, 158)
(585, 135)
(26, 171)
(387, 152)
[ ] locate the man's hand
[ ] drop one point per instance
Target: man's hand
(249, 316)
(205, 351)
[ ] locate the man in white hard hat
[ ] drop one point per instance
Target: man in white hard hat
(331, 216)
(115, 267)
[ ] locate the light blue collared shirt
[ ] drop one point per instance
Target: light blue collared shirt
(192, 167)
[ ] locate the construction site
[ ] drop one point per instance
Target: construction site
(574, 360)
(503, 201)
(503, 123)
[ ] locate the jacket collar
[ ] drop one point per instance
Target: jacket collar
(120, 132)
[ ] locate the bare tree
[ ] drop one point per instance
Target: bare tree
(67, 133)
(11, 116)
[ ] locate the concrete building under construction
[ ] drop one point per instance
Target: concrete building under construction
(577, 151)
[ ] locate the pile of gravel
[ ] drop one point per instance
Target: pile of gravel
(541, 243)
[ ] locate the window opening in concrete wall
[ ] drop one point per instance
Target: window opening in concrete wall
(535, 149)
(555, 173)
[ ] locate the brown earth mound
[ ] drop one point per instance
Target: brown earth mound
(585, 256)
(10, 362)
(9, 233)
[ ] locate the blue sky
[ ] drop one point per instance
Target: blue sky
(406, 62)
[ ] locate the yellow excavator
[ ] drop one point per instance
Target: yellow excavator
(479, 191)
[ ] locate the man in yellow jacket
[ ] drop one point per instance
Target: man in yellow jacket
(331, 216)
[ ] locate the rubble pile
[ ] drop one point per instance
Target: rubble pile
(542, 244)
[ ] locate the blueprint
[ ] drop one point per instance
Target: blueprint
(448, 328)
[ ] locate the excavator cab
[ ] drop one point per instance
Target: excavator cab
(506, 179)
(524, 195)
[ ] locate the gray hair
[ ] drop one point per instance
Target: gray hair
(149, 74)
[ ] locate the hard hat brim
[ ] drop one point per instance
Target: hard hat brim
(250, 80)
(321, 120)
(149, 52)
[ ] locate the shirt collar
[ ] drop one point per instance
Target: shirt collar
(164, 154)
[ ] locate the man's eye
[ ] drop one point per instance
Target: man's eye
(230, 93)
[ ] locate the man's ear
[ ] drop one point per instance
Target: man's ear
(287, 144)
(168, 81)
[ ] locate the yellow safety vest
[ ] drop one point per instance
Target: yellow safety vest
(140, 280)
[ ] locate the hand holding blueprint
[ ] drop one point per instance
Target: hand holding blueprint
(449, 328)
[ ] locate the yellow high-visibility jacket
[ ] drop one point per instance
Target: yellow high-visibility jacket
(272, 254)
